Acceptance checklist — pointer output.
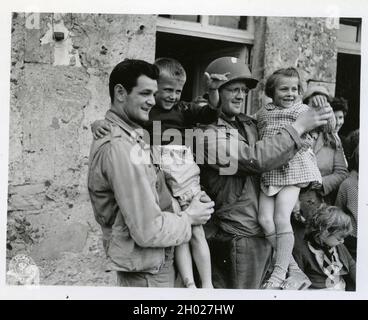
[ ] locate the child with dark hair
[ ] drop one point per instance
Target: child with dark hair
(322, 255)
(280, 187)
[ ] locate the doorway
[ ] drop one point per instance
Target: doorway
(195, 53)
(348, 87)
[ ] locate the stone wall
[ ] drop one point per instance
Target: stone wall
(59, 86)
(309, 44)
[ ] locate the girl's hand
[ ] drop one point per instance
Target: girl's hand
(319, 101)
(316, 186)
(100, 128)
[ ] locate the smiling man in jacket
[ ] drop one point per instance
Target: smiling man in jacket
(128, 193)
(240, 253)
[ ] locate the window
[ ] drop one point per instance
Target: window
(197, 40)
(239, 29)
(233, 22)
(349, 35)
(180, 17)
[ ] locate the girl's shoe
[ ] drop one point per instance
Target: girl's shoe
(271, 285)
(189, 283)
(297, 280)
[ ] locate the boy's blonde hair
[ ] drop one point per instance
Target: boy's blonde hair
(327, 221)
(171, 68)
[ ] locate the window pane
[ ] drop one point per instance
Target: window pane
(234, 22)
(180, 17)
(348, 33)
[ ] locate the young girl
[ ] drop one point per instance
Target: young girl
(322, 255)
(280, 187)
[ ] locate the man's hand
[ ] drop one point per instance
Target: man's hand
(213, 82)
(200, 209)
(312, 119)
(100, 128)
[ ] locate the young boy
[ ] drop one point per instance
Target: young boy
(182, 173)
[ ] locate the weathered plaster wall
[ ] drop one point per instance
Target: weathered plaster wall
(309, 44)
(58, 88)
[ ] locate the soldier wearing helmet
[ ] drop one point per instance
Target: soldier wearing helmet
(240, 253)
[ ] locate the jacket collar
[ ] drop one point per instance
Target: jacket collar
(319, 142)
(223, 120)
(270, 106)
(127, 125)
(319, 254)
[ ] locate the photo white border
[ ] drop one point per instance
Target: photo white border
(325, 8)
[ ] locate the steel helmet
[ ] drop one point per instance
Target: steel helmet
(237, 70)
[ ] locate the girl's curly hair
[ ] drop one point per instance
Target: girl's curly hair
(327, 221)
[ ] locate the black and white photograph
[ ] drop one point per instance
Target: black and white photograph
(184, 150)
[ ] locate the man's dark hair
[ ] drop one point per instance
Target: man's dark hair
(128, 71)
(340, 104)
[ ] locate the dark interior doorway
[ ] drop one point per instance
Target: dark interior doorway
(348, 87)
(195, 53)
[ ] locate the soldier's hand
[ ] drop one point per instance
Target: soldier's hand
(312, 119)
(199, 211)
(214, 80)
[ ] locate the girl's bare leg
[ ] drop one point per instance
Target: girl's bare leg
(183, 259)
(201, 256)
(284, 204)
